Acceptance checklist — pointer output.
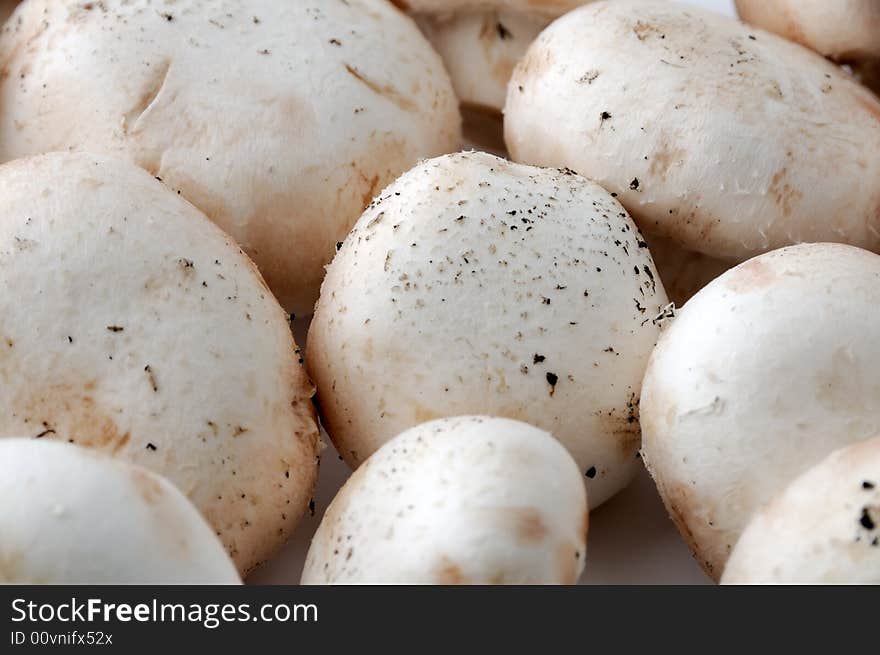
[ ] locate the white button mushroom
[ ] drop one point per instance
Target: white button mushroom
(763, 373)
(469, 500)
(476, 286)
(480, 43)
(72, 516)
(131, 324)
(823, 529)
(729, 140)
(480, 51)
(279, 120)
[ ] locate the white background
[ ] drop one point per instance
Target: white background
(631, 539)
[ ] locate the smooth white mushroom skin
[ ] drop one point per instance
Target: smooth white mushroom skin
(683, 272)
(823, 529)
(279, 120)
(473, 285)
(844, 30)
(729, 140)
(467, 500)
(71, 516)
(131, 324)
(480, 51)
(762, 374)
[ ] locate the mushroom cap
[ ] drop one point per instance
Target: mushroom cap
(762, 374)
(473, 285)
(726, 139)
(845, 30)
(131, 324)
(548, 8)
(823, 529)
(279, 120)
(465, 500)
(480, 51)
(71, 516)
(683, 272)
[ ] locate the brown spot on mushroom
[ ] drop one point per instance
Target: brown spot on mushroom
(370, 193)
(103, 434)
(663, 159)
(751, 276)
(424, 414)
(530, 526)
(450, 573)
(624, 426)
(783, 193)
(644, 30)
(148, 487)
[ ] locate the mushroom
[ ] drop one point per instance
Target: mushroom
(823, 529)
(480, 43)
(726, 139)
(763, 373)
(132, 325)
(847, 31)
(279, 120)
(70, 516)
(683, 272)
(480, 50)
(473, 285)
(466, 500)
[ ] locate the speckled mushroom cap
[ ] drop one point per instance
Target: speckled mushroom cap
(279, 120)
(467, 500)
(823, 529)
(131, 324)
(763, 373)
(845, 30)
(476, 286)
(548, 8)
(729, 140)
(71, 516)
(480, 51)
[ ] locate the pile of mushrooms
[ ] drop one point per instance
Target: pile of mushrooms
(279, 120)
(668, 259)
